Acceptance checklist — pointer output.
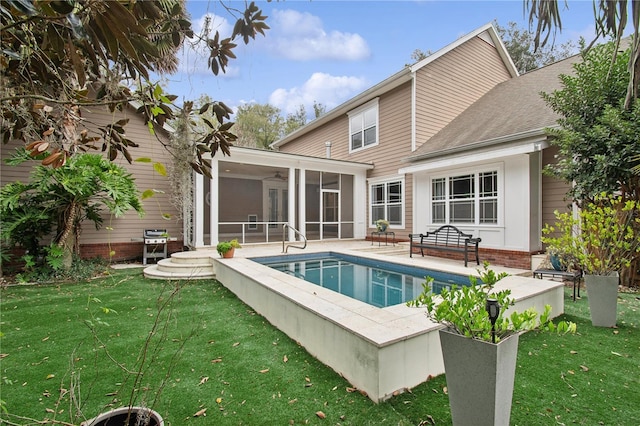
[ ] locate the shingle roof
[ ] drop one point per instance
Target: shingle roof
(512, 107)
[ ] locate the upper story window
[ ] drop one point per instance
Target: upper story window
(465, 199)
(363, 127)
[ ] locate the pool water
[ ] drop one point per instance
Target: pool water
(372, 281)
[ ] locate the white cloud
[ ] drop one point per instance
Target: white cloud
(322, 88)
(301, 37)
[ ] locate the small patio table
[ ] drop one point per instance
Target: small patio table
(574, 276)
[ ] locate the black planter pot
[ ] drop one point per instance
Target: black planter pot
(136, 416)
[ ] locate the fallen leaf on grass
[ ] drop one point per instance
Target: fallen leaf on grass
(321, 415)
(3, 355)
(584, 368)
(50, 376)
(201, 413)
(218, 400)
(285, 359)
(203, 380)
(49, 410)
(293, 401)
(616, 353)
(45, 339)
(213, 361)
(266, 370)
(236, 344)
(573, 352)
(445, 390)
(351, 390)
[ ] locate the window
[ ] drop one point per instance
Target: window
(387, 202)
(469, 198)
(363, 127)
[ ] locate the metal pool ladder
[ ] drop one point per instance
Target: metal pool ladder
(285, 246)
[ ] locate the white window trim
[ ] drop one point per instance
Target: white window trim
(496, 167)
(378, 181)
(360, 110)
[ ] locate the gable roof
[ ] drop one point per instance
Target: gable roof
(512, 110)
(487, 32)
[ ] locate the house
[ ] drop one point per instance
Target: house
(121, 238)
(457, 138)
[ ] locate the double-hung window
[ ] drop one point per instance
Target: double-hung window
(363, 127)
(387, 202)
(465, 199)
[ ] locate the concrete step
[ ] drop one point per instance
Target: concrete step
(194, 257)
(152, 272)
(170, 265)
(187, 265)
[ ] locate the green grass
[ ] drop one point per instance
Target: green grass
(246, 372)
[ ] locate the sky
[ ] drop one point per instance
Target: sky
(330, 51)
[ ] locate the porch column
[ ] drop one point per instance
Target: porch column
(360, 208)
(302, 203)
(292, 202)
(198, 211)
(214, 203)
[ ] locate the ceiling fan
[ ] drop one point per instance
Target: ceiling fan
(277, 177)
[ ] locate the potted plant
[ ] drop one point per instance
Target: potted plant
(604, 238)
(382, 225)
(226, 249)
(480, 345)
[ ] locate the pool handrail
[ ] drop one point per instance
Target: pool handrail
(284, 233)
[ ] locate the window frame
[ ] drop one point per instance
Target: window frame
(386, 182)
(441, 195)
(359, 113)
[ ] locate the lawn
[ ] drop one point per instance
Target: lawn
(68, 351)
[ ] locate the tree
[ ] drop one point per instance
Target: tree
(295, 120)
(258, 125)
(60, 56)
(521, 47)
(598, 136)
(63, 197)
(611, 19)
(318, 109)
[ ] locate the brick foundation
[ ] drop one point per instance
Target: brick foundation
(507, 258)
(122, 251)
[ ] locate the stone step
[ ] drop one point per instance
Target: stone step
(194, 257)
(187, 265)
(152, 272)
(170, 265)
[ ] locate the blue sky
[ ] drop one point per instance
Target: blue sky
(329, 51)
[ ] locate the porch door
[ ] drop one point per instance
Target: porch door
(276, 204)
(330, 214)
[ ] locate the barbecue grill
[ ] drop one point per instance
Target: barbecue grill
(155, 244)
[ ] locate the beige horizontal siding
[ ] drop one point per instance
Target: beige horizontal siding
(554, 191)
(451, 83)
(130, 225)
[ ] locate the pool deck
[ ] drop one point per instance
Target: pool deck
(381, 351)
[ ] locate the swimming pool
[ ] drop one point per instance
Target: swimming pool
(372, 281)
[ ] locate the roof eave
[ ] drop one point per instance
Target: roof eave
(478, 145)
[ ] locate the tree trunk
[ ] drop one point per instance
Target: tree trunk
(67, 239)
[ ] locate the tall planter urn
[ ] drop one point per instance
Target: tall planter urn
(602, 291)
(480, 377)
